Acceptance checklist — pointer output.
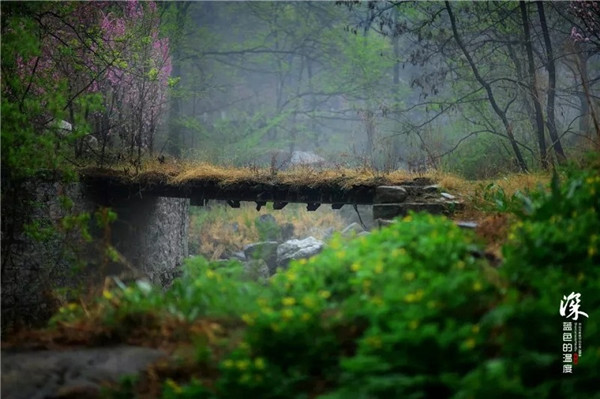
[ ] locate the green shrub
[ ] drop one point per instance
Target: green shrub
(409, 311)
(363, 320)
(551, 252)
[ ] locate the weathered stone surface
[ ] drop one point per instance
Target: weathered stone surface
(306, 158)
(241, 256)
(364, 214)
(448, 196)
(150, 233)
(390, 195)
(467, 225)
(287, 231)
(297, 249)
(32, 267)
(257, 269)
(384, 222)
(55, 374)
(265, 250)
(433, 188)
(352, 229)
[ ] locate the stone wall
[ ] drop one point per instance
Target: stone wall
(150, 233)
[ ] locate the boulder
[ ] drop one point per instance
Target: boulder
(286, 231)
(448, 196)
(257, 269)
(304, 158)
(433, 188)
(241, 256)
(75, 373)
(352, 229)
(265, 250)
(297, 249)
(390, 194)
(467, 224)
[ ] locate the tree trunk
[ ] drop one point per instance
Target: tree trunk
(490, 94)
(539, 117)
(550, 116)
(174, 135)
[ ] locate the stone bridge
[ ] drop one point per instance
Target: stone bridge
(152, 227)
(418, 194)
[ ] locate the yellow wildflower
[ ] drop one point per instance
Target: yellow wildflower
(409, 276)
(287, 314)
(470, 343)
(262, 302)
(248, 319)
(288, 301)
(242, 364)
(377, 301)
(107, 294)
(419, 294)
(309, 301)
(210, 274)
(324, 294)
(259, 363)
(173, 385)
(291, 276)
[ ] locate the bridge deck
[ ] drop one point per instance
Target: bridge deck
(323, 188)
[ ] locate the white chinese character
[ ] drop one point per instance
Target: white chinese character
(567, 348)
(567, 337)
(567, 326)
(567, 358)
(572, 302)
(567, 369)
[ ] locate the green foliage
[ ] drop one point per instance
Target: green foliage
(408, 311)
(551, 252)
(496, 199)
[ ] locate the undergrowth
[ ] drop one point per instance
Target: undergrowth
(411, 310)
(220, 230)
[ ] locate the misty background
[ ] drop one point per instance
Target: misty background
(381, 84)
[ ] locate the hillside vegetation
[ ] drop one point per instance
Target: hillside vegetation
(412, 310)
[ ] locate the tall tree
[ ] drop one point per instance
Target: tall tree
(550, 104)
(488, 89)
(535, 96)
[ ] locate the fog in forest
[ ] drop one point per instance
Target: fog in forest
(459, 86)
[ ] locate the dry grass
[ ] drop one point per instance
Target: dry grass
(223, 230)
(178, 173)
